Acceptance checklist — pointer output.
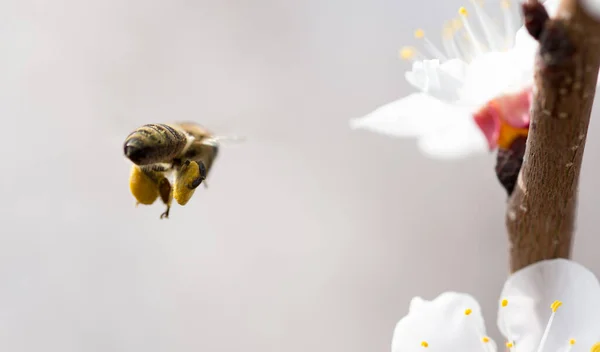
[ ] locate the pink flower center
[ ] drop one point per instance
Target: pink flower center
(505, 118)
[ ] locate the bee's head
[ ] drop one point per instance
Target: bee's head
(138, 150)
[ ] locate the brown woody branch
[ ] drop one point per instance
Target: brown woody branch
(542, 208)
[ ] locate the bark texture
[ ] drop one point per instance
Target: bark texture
(542, 208)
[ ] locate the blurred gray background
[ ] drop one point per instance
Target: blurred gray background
(311, 237)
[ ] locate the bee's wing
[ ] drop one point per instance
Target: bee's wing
(219, 139)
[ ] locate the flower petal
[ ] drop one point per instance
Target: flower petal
(411, 116)
(494, 74)
(592, 7)
(515, 107)
(505, 118)
(442, 323)
(462, 139)
(442, 81)
(530, 293)
(551, 6)
(488, 121)
(445, 131)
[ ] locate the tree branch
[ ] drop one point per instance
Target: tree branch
(542, 208)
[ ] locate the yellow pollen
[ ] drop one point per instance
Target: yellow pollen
(407, 53)
(424, 344)
(555, 306)
(419, 33)
(485, 339)
(468, 311)
(509, 344)
(504, 302)
(508, 134)
(463, 11)
(505, 4)
(571, 342)
(596, 347)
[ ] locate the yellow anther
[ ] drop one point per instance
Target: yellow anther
(555, 306)
(425, 344)
(509, 344)
(468, 311)
(504, 302)
(571, 342)
(596, 347)
(419, 33)
(463, 11)
(407, 53)
(485, 339)
(505, 4)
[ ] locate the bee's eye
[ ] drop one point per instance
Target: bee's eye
(134, 150)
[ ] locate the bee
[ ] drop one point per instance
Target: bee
(158, 150)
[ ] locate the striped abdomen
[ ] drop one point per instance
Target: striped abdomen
(155, 143)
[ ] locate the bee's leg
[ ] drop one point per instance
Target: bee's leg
(202, 177)
(166, 195)
(143, 185)
(188, 169)
(187, 178)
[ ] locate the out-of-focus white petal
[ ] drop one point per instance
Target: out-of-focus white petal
(417, 76)
(491, 75)
(442, 323)
(551, 6)
(592, 7)
(525, 48)
(459, 140)
(441, 81)
(411, 116)
(456, 68)
(530, 293)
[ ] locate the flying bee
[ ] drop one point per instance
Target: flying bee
(158, 150)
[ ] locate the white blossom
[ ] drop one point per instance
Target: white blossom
(474, 95)
(550, 306)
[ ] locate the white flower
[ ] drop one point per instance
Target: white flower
(550, 306)
(474, 96)
(592, 7)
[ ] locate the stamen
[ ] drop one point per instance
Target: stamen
(465, 46)
(554, 308)
(492, 34)
(509, 344)
(450, 45)
(596, 347)
(424, 344)
(463, 16)
(419, 34)
(571, 343)
(508, 24)
(484, 339)
(411, 54)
